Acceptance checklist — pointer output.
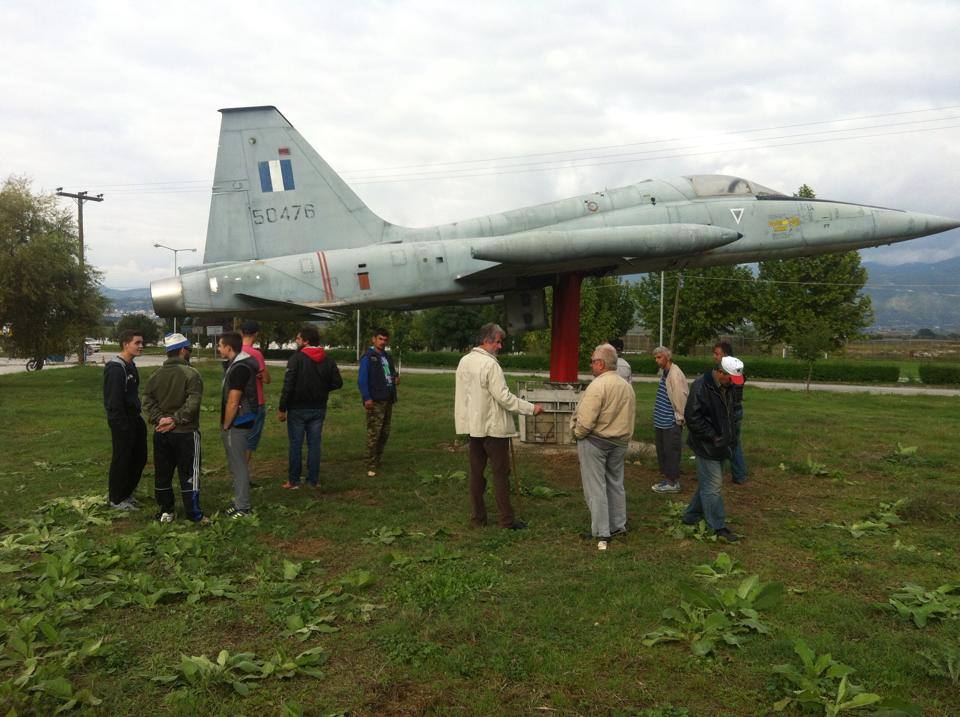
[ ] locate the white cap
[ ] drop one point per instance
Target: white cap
(172, 342)
(733, 367)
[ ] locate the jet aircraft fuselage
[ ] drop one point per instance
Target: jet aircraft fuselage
(288, 237)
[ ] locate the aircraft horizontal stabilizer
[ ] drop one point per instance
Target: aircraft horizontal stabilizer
(288, 307)
(642, 242)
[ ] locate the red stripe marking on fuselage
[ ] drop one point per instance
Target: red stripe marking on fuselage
(325, 276)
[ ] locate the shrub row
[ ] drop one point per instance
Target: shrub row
(940, 373)
(756, 367)
(787, 369)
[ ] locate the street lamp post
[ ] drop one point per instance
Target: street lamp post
(175, 252)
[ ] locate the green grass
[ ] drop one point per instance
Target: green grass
(480, 622)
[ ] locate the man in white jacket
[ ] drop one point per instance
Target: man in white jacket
(482, 410)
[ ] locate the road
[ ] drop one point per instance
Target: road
(98, 359)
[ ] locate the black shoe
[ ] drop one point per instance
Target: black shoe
(727, 535)
(517, 525)
(739, 482)
(622, 531)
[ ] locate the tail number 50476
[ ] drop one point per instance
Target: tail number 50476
(293, 213)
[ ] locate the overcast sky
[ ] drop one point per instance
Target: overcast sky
(122, 98)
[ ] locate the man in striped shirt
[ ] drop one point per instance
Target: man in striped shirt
(668, 419)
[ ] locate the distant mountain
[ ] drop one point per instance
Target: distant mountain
(908, 297)
(127, 301)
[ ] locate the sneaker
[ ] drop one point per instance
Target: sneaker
(123, 505)
(615, 533)
(517, 525)
(291, 486)
(371, 474)
(666, 486)
(727, 535)
(133, 501)
(202, 521)
(740, 481)
(233, 512)
(602, 544)
(164, 517)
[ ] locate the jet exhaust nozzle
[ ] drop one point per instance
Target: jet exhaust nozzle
(167, 295)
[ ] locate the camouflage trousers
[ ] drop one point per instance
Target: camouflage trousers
(378, 431)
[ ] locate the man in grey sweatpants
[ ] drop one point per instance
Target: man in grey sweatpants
(603, 425)
(239, 406)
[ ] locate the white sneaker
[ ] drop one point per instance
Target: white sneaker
(123, 505)
(602, 545)
(133, 501)
(166, 518)
(371, 474)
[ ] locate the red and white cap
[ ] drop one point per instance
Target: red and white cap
(733, 367)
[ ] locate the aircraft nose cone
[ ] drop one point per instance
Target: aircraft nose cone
(167, 295)
(897, 225)
(936, 224)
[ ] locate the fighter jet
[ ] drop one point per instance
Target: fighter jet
(287, 237)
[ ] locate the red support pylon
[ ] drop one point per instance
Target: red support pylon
(565, 331)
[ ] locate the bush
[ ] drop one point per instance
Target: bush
(939, 373)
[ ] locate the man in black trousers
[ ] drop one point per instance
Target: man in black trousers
(128, 432)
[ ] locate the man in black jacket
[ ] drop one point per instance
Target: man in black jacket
(311, 375)
(128, 432)
(712, 426)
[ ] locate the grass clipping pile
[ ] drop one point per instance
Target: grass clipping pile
(56, 577)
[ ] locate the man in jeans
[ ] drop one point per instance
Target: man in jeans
(668, 410)
(311, 375)
(128, 432)
(603, 425)
(238, 413)
(711, 424)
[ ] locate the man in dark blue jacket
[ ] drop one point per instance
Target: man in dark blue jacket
(712, 427)
(128, 432)
(378, 388)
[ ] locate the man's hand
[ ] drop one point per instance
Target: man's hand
(166, 424)
(537, 409)
(282, 416)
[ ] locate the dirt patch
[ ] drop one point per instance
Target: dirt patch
(307, 548)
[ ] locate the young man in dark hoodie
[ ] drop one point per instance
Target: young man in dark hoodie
(311, 375)
(377, 380)
(121, 399)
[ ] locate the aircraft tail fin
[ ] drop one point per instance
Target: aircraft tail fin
(274, 195)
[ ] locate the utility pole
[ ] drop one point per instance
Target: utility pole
(81, 197)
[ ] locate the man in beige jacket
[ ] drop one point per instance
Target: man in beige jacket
(603, 425)
(482, 409)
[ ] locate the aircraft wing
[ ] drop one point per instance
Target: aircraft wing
(544, 251)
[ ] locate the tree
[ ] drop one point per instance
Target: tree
(811, 345)
(812, 294)
(48, 304)
(714, 300)
(142, 324)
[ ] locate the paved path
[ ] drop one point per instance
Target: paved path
(18, 366)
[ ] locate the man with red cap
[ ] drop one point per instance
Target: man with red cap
(712, 421)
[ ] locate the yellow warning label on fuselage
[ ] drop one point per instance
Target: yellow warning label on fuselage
(785, 224)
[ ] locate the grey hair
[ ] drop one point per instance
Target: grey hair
(490, 333)
(607, 354)
(663, 351)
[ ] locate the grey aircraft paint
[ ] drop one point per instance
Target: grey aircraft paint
(287, 237)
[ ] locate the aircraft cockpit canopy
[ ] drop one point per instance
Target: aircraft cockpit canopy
(719, 185)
